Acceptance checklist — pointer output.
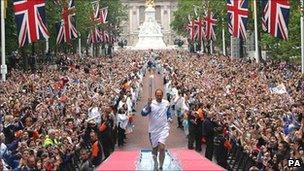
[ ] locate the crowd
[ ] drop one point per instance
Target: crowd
(249, 115)
(68, 116)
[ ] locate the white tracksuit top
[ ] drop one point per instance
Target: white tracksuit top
(158, 115)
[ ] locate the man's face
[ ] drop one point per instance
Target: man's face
(159, 96)
(93, 136)
(25, 154)
(84, 155)
(31, 162)
(280, 147)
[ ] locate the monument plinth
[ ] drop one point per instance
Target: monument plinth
(150, 35)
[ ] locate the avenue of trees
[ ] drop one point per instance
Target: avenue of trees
(276, 48)
(83, 24)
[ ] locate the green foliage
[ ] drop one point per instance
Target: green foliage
(219, 10)
(11, 40)
(117, 13)
(185, 7)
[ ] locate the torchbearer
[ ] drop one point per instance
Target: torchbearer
(158, 111)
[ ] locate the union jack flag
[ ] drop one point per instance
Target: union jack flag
(210, 23)
(103, 14)
(191, 28)
(105, 37)
(275, 17)
(66, 28)
(30, 21)
(199, 23)
(99, 14)
(95, 36)
(112, 39)
(95, 6)
(237, 13)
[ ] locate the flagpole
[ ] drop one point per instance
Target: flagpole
(257, 57)
(92, 50)
(223, 38)
(3, 65)
(46, 45)
(79, 45)
(302, 35)
(211, 47)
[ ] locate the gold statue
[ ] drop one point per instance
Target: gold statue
(150, 3)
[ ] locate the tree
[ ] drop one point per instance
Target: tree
(180, 21)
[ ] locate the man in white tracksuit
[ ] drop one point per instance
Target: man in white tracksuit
(159, 118)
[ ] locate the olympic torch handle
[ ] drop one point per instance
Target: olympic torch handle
(150, 90)
(151, 86)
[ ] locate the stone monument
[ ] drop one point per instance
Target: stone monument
(150, 35)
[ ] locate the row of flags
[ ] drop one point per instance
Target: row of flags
(202, 28)
(100, 36)
(98, 17)
(275, 17)
(31, 24)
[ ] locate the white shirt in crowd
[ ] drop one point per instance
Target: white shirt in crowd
(122, 120)
(95, 114)
(129, 104)
(174, 94)
(3, 149)
(168, 87)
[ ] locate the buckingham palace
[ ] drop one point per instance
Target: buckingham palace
(135, 11)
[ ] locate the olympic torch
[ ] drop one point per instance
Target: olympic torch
(151, 88)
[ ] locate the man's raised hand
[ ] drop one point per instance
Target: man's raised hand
(149, 101)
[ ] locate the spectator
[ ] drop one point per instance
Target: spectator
(85, 164)
(261, 103)
(220, 151)
(47, 113)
